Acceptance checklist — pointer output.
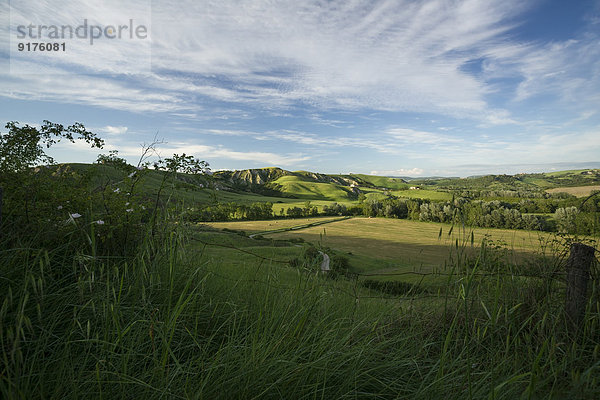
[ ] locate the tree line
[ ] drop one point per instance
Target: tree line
(530, 214)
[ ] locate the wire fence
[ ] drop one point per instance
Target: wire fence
(360, 285)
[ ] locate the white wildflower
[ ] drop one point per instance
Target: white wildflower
(100, 222)
(129, 210)
(75, 215)
(117, 190)
(59, 208)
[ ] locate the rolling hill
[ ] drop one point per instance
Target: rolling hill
(281, 186)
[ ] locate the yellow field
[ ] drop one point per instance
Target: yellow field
(401, 242)
(270, 225)
(579, 191)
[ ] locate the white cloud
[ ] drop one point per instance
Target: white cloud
(391, 55)
(315, 62)
(114, 130)
(210, 153)
(388, 54)
(568, 69)
(63, 152)
(411, 136)
(400, 172)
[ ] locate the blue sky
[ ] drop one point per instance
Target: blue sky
(388, 87)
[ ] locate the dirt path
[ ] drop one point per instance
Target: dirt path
(325, 263)
(298, 227)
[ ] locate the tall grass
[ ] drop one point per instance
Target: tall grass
(176, 322)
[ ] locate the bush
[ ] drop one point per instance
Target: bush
(311, 257)
(339, 265)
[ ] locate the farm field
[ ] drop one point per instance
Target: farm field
(201, 307)
(269, 225)
(301, 200)
(579, 191)
(397, 244)
(311, 190)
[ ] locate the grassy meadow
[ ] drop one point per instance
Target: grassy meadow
(110, 294)
(413, 244)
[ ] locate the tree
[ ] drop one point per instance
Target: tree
(172, 166)
(566, 218)
(112, 159)
(24, 147)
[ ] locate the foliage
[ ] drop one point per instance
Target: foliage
(106, 294)
(311, 257)
(180, 321)
(113, 159)
(43, 201)
(228, 211)
(184, 164)
(339, 265)
(24, 147)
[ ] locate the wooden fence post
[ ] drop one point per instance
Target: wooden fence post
(578, 275)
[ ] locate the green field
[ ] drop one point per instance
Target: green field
(131, 298)
(381, 181)
(378, 245)
(302, 189)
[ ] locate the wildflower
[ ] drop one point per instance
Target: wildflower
(129, 210)
(117, 190)
(100, 222)
(75, 215)
(59, 208)
(126, 204)
(143, 207)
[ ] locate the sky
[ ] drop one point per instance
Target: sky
(386, 87)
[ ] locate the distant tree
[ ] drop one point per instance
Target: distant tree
(112, 159)
(294, 212)
(566, 218)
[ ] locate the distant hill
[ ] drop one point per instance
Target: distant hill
(306, 184)
(275, 184)
(249, 177)
(422, 178)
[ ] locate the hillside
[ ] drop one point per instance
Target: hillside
(277, 185)
(547, 180)
(120, 296)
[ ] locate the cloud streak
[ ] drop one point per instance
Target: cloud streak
(388, 55)
(399, 80)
